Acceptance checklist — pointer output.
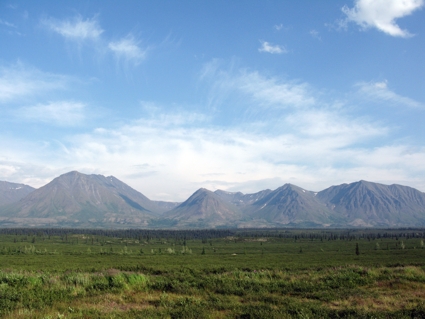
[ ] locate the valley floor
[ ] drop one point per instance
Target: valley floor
(293, 274)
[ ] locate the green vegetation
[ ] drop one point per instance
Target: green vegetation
(212, 274)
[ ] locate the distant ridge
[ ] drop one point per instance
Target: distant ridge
(95, 201)
(12, 192)
(240, 199)
(204, 209)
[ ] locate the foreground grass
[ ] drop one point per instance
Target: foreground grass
(342, 292)
(268, 277)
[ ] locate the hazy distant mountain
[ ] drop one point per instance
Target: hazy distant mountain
(370, 204)
(165, 206)
(240, 199)
(13, 192)
(76, 199)
(204, 209)
(292, 205)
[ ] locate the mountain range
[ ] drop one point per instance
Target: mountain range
(95, 201)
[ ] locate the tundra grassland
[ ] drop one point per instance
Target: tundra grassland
(287, 273)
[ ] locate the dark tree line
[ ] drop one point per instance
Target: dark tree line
(140, 234)
(238, 234)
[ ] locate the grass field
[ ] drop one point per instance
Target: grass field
(244, 274)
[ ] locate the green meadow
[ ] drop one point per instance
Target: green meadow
(285, 273)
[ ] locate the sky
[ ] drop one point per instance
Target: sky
(172, 96)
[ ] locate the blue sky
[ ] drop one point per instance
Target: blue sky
(171, 96)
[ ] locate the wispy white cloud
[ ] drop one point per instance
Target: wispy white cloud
(382, 14)
(262, 91)
(18, 81)
(8, 24)
(128, 49)
(159, 116)
(270, 48)
(272, 92)
(76, 28)
(11, 28)
(380, 91)
(315, 34)
(278, 27)
(59, 113)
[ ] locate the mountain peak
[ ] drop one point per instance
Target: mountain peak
(199, 196)
(204, 209)
(291, 188)
(74, 198)
(72, 173)
(203, 190)
(363, 182)
(292, 205)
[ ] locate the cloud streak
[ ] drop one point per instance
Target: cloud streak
(256, 90)
(382, 14)
(8, 24)
(272, 92)
(76, 28)
(380, 91)
(18, 82)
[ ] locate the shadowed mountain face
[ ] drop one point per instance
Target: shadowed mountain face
(204, 209)
(371, 204)
(83, 200)
(12, 192)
